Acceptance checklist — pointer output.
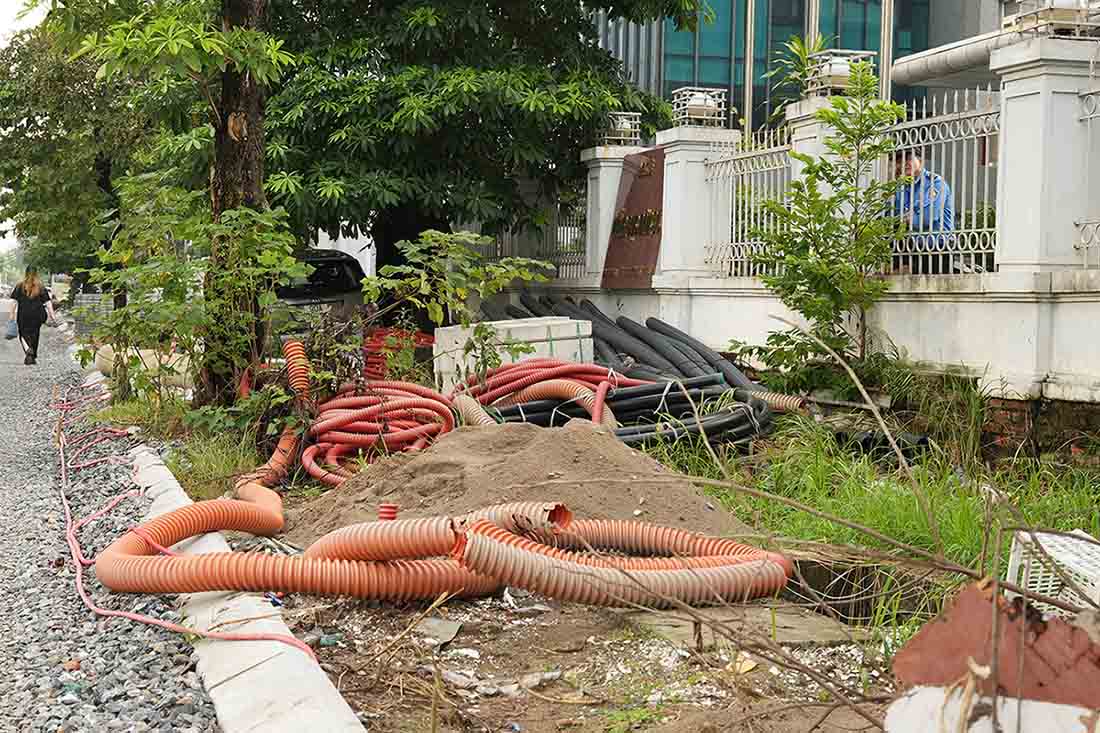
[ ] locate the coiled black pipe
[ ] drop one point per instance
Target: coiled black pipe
(589, 307)
(619, 340)
(689, 352)
(727, 430)
(494, 312)
(754, 413)
(683, 364)
(733, 375)
(516, 312)
(607, 356)
(533, 305)
(652, 405)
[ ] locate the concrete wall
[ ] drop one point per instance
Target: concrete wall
(1026, 330)
(1021, 336)
(953, 20)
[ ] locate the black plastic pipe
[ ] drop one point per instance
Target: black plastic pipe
(734, 376)
(516, 312)
(531, 304)
(685, 366)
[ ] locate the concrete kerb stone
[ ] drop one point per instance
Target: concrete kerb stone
(255, 685)
(935, 708)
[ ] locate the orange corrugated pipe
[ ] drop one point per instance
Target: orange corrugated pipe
(471, 411)
(562, 389)
(615, 582)
(422, 558)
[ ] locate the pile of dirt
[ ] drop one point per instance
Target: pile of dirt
(580, 465)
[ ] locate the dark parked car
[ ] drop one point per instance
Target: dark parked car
(334, 284)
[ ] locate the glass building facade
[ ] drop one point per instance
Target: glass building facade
(660, 58)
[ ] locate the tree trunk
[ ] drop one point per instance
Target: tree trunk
(236, 181)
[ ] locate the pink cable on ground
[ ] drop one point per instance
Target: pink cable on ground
(79, 561)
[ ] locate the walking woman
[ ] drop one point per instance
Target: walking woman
(33, 302)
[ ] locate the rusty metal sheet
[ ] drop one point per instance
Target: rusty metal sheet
(1049, 661)
(635, 241)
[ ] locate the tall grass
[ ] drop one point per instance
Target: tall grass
(160, 419)
(207, 465)
(804, 461)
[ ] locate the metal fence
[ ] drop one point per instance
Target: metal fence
(741, 179)
(949, 145)
(1088, 226)
(88, 310)
(562, 243)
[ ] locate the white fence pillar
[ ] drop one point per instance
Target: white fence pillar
(605, 169)
(687, 222)
(1044, 158)
(807, 132)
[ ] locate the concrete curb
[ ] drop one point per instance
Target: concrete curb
(255, 685)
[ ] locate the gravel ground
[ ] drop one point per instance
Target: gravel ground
(61, 667)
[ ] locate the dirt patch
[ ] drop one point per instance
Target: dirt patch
(580, 465)
(601, 672)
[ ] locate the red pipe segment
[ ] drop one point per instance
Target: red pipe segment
(561, 389)
(383, 386)
(392, 415)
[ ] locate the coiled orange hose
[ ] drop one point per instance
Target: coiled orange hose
(782, 402)
(471, 412)
(533, 568)
(423, 558)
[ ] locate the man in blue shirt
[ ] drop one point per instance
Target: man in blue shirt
(927, 205)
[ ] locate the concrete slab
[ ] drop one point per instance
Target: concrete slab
(936, 708)
(255, 685)
(795, 626)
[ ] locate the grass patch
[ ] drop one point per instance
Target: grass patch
(158, 419)
(805, 462)
(207, 465)
(624, 721)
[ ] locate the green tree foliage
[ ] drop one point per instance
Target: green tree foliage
(65, 136)
(390, 116)
(407, 116)
(442, 271)
(161, 258)
(225, 53)
(833, 233)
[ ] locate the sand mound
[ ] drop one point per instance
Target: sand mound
(477, 467)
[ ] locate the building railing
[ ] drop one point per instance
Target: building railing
(562, 243)
(741, 179)
(1088, 226)
(951, 206)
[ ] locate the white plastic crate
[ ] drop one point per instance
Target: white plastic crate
(557, 337)
(1078, 560)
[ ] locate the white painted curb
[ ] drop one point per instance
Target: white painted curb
(255, 685)
(934, 708)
